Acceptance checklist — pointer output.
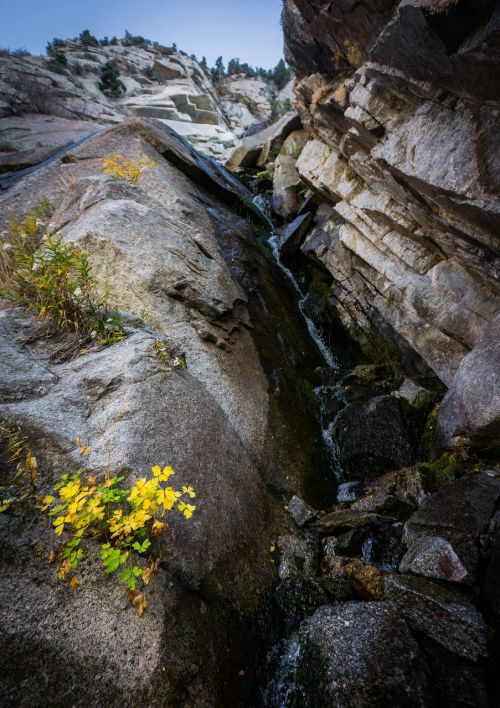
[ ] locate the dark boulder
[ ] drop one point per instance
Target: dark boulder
(443, 613)
(374, 437)
(353, 654)
(460, 513)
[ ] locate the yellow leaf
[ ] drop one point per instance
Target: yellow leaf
(84, 450)
(74, 583)
(157, 527)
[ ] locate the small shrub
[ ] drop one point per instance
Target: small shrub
(166, 356)
(129, 522)
(265, 176)
(5, 146)
(54, 279)
(15, 452)
(110, 83)
(125, 169)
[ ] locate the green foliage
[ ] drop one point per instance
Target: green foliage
(275, 149)
(427, 438)
(131, 40)
(15, 454)
(128, 522)
(279, 108)
(218, 71)
(87, 39)
(58, 63)
(265, 176)
(55, 46)
(281, 74)
(445, 467)
(110, 82)
(20, 52)
(54, 279)
(167, 356)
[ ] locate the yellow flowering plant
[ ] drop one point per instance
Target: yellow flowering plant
(128, 522)
(127, 169)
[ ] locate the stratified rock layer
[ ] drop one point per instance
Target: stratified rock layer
(401, 104)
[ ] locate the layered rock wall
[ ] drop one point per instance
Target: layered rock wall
(401, 106)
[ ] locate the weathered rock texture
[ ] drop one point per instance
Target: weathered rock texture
(160, 83)
(172, 252)
(401, 104)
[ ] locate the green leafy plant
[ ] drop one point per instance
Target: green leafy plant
(265, 176)
(129, 523)
(54, 279)
(110, 82)
(166, 356)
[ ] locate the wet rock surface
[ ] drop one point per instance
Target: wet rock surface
(359, 654)
(374, 437)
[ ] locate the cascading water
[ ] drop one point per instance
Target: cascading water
(326, 391)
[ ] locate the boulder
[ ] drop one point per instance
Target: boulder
(254, 151)
(434, 557)
(374, 437)
(338, 521)
(380, 502)
(300, 511)
(367, 581)
(459, 513)
(351, 654)
(286, 185)
(293, 234)
(470, 411)
(443, 613)
(415, 395)
(169, 69)
(299, 556)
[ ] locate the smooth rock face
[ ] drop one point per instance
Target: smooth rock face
(169, 252)
(374, 437)
(460, 513)
(404, 146)
(352, 654)
(441, 613)
(434, 557)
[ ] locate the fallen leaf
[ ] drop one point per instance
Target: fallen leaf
(140, 603)
(74, 583)
(52, 557)
(84, 450)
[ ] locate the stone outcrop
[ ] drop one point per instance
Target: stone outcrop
(160, 83)
(171, 252)
(402, 113)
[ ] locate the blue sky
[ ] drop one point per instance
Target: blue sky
(248, 29)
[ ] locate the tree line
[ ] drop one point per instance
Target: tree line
(280, 74)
